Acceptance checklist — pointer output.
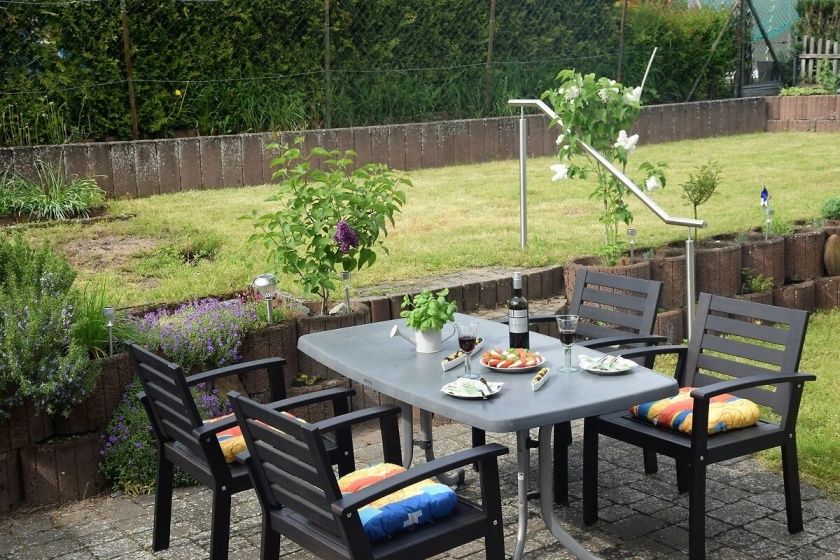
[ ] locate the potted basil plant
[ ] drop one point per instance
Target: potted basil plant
(427, 314)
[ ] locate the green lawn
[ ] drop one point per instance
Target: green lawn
(476, 205)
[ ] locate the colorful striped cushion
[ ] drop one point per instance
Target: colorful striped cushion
(726, 412)
(416, 504)
(232, 441)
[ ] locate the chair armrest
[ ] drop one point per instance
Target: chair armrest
(715, 389)
(653, 351)
(353, 418)
(212, 374)
(334, 394)
(616, 340)
(215, 427)
(358, 499)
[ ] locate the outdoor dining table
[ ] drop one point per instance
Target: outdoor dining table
(367, 354)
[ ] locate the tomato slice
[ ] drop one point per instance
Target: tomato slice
(504, 364)
(492, 362)
(522, 354)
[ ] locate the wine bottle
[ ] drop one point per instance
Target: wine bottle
(518, 315)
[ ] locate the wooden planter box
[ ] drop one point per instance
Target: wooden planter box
(804, 255)
(61, 470)
(95, 412)
(320, 323)
(795, 296)
(670, 324)
(766, 258)
(11, 491)
(275, 340)
(827, 292)
(639, 269)
(758, 297)
(24, 427)
(717, 266)
(671, 272)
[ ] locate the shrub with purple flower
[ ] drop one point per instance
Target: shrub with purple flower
(329, 216)
(202, 334)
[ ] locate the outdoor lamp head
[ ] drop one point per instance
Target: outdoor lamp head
(109, 313)
(631, 233)
(266, 285)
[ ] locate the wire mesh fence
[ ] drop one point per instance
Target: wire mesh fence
(99, 69)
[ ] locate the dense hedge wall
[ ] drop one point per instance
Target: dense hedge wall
(819, 18)
(253, 65)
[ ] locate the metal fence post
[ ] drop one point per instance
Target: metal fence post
(621, 40)
(488, 69)
(129, 71)
(327, 69)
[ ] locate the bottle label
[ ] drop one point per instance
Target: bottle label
(518, 320)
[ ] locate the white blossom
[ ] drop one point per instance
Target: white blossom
(560, 170)
(653, 183)
(634, 95)
(572, 93)
(626, 142)
(560, 139)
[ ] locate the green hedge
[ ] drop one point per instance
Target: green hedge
(253, 65)
(819, 18)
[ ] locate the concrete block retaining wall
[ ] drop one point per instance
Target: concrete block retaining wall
(813, 113)
(148, 167)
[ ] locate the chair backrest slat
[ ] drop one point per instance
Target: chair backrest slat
(736, 338)
(275, 442)
(164, 396)
(611, 305)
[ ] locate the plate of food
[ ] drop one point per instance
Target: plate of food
(512, 360)
(464, 388)
(606, 365)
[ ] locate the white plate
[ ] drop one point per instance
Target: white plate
(449, 364)
(464, 388)
(517, 369)
(610, 366)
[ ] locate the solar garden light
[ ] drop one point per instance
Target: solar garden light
(266, 285)
(631, 234)
(110, 314)
(345, 277)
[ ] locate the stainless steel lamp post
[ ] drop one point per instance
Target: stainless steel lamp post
(266, 285)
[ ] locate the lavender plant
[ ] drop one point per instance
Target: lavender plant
(202, 334)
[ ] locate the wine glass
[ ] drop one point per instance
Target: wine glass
(467, 341)
(567, 324)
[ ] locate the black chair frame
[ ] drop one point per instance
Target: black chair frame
(300, 498)
(628, 304)
(184, 441)
(722, 329)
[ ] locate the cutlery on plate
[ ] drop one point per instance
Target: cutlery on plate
(484, 382)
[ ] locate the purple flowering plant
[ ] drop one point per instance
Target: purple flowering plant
(329, 217)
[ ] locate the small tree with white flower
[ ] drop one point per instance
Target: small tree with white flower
(599, 112)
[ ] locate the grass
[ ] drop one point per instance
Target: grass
(477, 205)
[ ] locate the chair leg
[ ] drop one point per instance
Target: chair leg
(479, 437)
(793, 500)
(270, 547)
(562, 440)
(220, 525)
(651, 464)
(590, 471)
(491, 500)
(697, 511)
(163, 503)
(683, 476)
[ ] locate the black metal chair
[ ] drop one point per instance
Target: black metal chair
(301, 500)
(616, 312)
(736, 347)
(184, 440)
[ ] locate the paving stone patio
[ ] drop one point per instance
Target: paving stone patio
(641, 516)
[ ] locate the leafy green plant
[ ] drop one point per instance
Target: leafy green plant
(802, 90)
(754, 284)
(826, 77)
(305, 380)
(428, 311)
(831, 208)
(701, 185)
(599, 112)
(329, 217)
(90, 328)
(818, 18)
(51, 197)
(39, 359)
(780, 226)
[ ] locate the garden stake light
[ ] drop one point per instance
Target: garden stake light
(631, 235)
(110, 313)
(266, 285)
(345, 276)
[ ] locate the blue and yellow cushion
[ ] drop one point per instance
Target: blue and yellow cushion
(232, 441)
(416, 504)
(726, 412)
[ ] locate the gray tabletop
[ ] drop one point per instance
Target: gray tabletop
(367, 354)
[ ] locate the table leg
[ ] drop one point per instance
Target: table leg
(523, 467)
(407, 435)
(546, 502)
(426, 443)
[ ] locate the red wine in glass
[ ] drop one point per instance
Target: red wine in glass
(567, 338)
(467, 343)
